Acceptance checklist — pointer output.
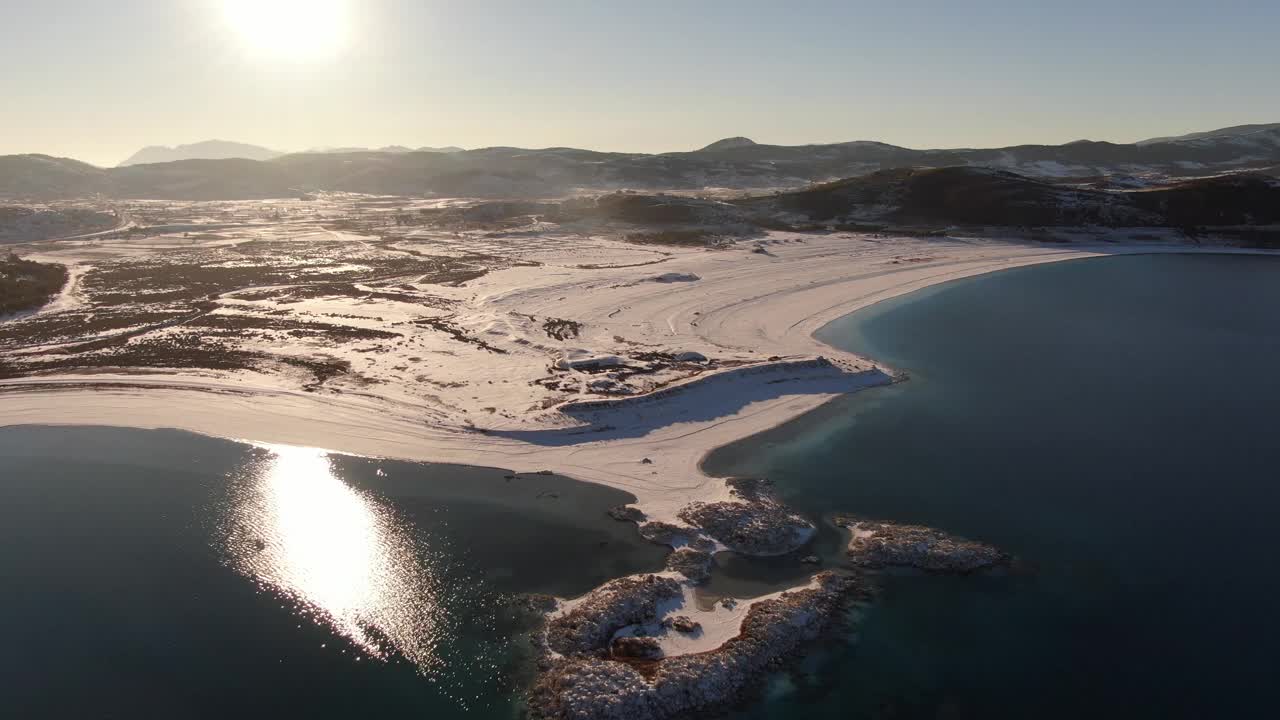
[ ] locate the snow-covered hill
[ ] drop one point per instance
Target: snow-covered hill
(732, 163)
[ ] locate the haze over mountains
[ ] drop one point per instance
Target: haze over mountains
(737, 163)
(207, 150)
(224, 150)
(385, 149)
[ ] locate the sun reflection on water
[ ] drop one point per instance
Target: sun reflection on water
(297, 529)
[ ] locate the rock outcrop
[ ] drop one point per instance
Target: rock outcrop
(636, 648)
(627, 513)
(664, 533)
(609, 660)
(755, 524)
(690, 562)
(590, 625)
(593, 687)
(880, 545)
(682, 623)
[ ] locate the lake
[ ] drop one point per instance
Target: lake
(164, 574)
(1109, 421)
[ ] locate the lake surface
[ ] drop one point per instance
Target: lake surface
(161, 574)
(1109, 421)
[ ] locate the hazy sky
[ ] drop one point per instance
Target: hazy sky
(97, 79)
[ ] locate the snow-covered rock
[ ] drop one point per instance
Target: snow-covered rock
(586, 360)
(673, 277)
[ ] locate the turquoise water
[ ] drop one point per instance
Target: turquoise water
(1109, 421)
(161, 574)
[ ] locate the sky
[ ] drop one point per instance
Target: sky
(98, 79)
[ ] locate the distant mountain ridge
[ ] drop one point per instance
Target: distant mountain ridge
(226, 150)
(1261, 130)
(386, 149)
(736, 163)
(207, 150)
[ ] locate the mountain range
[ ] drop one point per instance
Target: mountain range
(207, 150)
(736, 163)
(385, 149)
(224, 150)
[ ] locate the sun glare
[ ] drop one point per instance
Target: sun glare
(340, 556)
(297, 29)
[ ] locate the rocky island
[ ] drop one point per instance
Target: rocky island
(878, 545)
(644, 647)
(597, 683)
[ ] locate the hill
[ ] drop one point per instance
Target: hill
(732, 143)
(983, 196)
(732, 163)
(230, 179)
(47, 177)
(23, 224)
(1230, 132)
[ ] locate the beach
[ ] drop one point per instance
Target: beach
(759, 309)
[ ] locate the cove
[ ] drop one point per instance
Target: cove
(165, 574)
(1109, 421)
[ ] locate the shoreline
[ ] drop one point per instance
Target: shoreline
(651, 446)
(611, 453)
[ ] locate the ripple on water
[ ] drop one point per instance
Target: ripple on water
(339, 555)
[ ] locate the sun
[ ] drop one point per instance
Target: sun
(297, 29)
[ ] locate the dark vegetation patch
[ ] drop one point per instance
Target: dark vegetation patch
(694, 237)
(455, 277)
(1242, 199)
(1267, 238)
(236, 325)
(72, 324)
(497, 215)
(128, 300)
(26, 284)
(457, 333)
(188, 352)
(953, 195)
(983, 196)
(25, 224)
(560, 329)
(298, 293)
(185, 352)
(653, 218)
(656, 209)
(201, 274)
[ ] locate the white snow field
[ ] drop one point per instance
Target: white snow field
(752, 315)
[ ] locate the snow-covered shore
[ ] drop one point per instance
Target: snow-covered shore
(746, 314)
(759, 310)
(746, 303)
(757, 306)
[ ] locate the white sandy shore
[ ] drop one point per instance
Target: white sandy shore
(719, 621)
(751, 304)
(745, 305)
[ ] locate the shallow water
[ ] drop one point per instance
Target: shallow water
(1110, 422)
(157, 573)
